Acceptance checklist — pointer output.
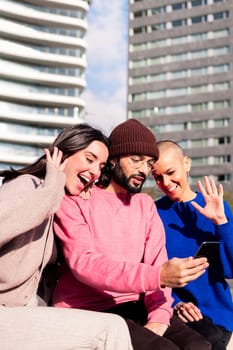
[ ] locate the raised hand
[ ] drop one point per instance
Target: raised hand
(177, 272)
(55, 158)
(213, 196)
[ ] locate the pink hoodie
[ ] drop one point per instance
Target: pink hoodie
(114, 246)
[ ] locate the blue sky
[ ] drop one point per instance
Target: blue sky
(106, 92)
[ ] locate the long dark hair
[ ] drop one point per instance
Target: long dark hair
(105, 176)
(69, 141)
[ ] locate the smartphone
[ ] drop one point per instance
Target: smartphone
(209, 250)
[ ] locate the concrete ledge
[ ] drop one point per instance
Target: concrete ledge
(230, 346)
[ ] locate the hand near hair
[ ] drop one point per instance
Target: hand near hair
(55, 158)
(188, 312)
(177, 272)
(213, 196)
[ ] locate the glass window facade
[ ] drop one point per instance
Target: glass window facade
(180, 78)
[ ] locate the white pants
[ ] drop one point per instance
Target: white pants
(49, 328)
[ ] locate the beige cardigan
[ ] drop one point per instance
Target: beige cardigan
(27, 205)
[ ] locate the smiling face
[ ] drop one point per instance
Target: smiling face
(84, 167)
(130, 172)
(171, 172)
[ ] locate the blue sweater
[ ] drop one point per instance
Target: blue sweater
(185, 230)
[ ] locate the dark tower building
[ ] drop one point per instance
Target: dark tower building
(180, 78)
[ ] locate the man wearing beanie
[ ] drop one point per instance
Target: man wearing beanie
(114, 247)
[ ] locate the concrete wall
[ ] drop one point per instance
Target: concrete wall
(230, 346)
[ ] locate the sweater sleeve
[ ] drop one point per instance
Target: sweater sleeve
(26, 201)
(224, 233)
(158, 302)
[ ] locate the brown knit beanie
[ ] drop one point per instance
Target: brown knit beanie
(132, 137)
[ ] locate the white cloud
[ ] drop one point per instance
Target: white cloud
(106, 91)
(105, 113)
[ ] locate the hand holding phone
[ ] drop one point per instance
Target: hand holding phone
(210, 250)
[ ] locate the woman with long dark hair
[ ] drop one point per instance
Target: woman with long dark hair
(29, 197)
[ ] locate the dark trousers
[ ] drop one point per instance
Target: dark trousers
(178, 335)
(216, 335)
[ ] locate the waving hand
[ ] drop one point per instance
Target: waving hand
(213, 195)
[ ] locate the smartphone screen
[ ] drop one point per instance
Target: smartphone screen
(210, 250)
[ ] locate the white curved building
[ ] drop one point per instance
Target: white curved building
(42, 74)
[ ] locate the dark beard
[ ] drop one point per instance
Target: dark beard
(121, 179)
